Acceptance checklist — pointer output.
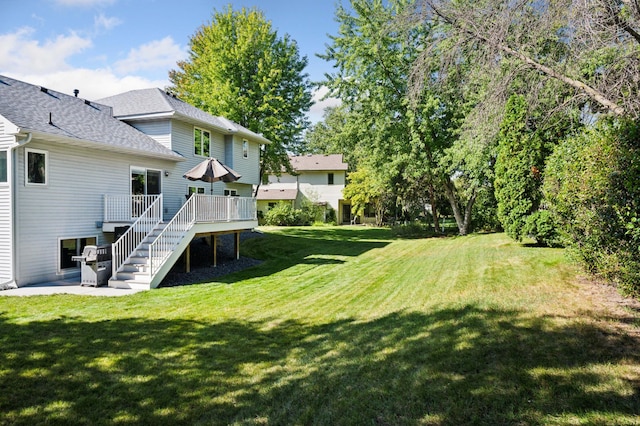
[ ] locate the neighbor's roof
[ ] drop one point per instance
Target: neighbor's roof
(317, 162)
(40, 110)
(277, 194)
(156, 103)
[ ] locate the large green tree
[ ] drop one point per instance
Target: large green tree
(240, 68)
(404, 137)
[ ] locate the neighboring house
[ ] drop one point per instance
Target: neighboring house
(317, 178)
(76, 173)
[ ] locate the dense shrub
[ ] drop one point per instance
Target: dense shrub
(540, 226)
(485, 212)
(592, 185)
(413, 229)
(284, 214)
(330, 216)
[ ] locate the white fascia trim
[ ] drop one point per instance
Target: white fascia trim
(151, 116)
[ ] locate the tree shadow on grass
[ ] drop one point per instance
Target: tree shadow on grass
(452, 366)
(313, 246)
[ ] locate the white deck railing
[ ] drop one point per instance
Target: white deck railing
(198, 209)
(126, 208)
(147, 220)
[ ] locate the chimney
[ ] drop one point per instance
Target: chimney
(76, 92)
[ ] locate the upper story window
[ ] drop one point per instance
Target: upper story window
(201, 142)
(245, 149)
(36, 165)
(196, 190)
(330, 178)
(3, 166)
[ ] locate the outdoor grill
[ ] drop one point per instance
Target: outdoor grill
(95, 269)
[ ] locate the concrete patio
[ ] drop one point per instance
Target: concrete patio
(68, 286)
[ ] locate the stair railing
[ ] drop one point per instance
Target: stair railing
(165, 243)
(199, 208)
(127, 244)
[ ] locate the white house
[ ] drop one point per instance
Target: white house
(73, 172)
(319, 178)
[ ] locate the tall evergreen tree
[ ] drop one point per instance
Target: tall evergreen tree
(518, 169)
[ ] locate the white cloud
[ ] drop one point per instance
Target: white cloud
(19, 52)
(158, 54)
(45, 63)
(92, 83)
(316, 111)
(103, 22)
(38, 18)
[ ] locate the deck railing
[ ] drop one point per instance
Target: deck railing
(224, 209)
(198, 209)
(126, 208)
(147, 220)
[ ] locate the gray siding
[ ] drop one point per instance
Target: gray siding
(160, 130)
(228, 151)
(248, 167)
(182, 142)
(69, 206)
(6, 251)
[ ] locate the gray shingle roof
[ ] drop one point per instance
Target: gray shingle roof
(317, 162)
(41, 110)
(272, 194)
(152, 102)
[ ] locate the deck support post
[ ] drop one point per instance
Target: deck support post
(187, 258)
(214, 249)
(237, 245)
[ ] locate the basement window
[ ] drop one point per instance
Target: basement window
(73, 247)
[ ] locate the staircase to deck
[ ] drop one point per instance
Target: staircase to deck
(142, 270)
(147, 251)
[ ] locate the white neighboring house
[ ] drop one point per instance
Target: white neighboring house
(73, 171)
(320, 178)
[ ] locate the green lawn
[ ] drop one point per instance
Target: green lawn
(338, 326)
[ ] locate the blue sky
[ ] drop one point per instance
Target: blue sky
(105, 47)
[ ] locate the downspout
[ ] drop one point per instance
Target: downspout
(13, 183)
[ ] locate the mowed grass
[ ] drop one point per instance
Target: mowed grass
(338, 326)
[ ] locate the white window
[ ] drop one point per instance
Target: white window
(36, 166)
(145, 181)
(330, 178)
(72, 247)
(201, 142)
(3, 167)
(195, 190)
(245, 149)
(231, 192)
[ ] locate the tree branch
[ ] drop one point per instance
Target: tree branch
(594, 94)
(623, 24)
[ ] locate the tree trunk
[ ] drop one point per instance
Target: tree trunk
(434, 209)
(449, 191)
(255, 194)
(463, 219)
